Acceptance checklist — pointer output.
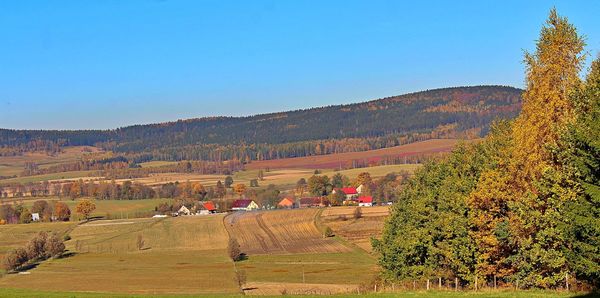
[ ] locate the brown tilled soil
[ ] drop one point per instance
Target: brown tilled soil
(358, 231)
(280, 232)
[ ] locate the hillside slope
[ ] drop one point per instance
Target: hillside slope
(448, 112)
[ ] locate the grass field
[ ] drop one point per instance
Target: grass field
(14, 236)
(21, 293)
(335, 161)
(50, 177)
(180, 255)
(104, 208)
(13, 165)
(187, 256)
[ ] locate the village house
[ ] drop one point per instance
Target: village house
(350, 192)
(286, 203)
(366, 201)
(244, 205)
(209, 206)
(313, 202)
(184, 211)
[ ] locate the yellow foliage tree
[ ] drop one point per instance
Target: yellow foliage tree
(239, 188)
(85, 208)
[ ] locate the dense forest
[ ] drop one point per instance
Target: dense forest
(442, 113)
(522, 207)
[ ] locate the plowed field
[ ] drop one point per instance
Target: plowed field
(280, 232)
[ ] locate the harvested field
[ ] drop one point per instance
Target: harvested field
(357, 231)
(280, 232)
(334, 161)
(272, 288)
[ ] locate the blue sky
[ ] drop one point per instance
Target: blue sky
(106, 64)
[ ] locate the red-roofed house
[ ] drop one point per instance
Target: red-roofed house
(350, 192)
(210, 206)
(244, 205)
(286, 203)
(365, 201)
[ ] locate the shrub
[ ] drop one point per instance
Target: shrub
(15, 259)
(357, 213)
(54, 247)
(233, 249)
(36, 246)
(328, 232)
(140, 242)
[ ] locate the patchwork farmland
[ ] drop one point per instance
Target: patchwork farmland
(341, 160)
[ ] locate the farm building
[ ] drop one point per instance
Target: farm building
(286, 203)
(244, 205)
(350, 192)
(210, 206)
(360, 189)
(365, 201)
(184, 211)
(313, 202)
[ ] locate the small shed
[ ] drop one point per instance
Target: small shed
(184, 211)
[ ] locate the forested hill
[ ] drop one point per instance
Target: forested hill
(444, 112)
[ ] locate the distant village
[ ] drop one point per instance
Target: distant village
(353, 197)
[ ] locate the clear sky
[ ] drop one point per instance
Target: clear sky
(106, 64)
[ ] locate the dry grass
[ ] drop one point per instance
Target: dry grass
(13, 165)
(277, 288)
(14, 236)
(280, 231)
(357, 231)
(180, 255)
(333, 161)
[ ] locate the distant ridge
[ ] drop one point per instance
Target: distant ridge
(445, 112)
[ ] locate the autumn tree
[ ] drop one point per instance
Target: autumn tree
(61, 211)
(301, 186)
(240, 189)
(85, 208)
(220, 190)
(363, 178)
(319, 185)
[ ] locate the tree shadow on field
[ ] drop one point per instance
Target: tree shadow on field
(67, 254)
(594, 294)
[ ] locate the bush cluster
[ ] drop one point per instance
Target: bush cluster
(41, 247)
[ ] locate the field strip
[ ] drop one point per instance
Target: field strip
(107, 224)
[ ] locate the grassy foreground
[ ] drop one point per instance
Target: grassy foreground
(496, 294)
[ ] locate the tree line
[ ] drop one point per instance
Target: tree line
(521, 208)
